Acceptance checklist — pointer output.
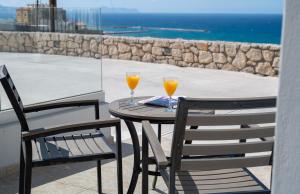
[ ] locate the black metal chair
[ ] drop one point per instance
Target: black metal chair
(212, 164)
(43, 147)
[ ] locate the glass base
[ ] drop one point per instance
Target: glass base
(170, 110)
(132, 103)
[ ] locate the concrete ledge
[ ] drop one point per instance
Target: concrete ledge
(261, 59)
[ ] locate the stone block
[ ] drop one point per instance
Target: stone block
(276, 62)
(219, 58)
(194, 50)
(147, 58)
(147, 48)
(123, 48)
(157, 51)
(177, 45)
(203, 46)
(176, 53)
(205, 57)
(112, 50)
(254, 54)
(214, 47)
(93, 45)
(229, 67)
(137, 51)
(188, 57)
(240, 60)
(211, 66)
(245, 47)
(268, 55)
(161, 43)
(265, 69)
(231, 49)
(125, 56)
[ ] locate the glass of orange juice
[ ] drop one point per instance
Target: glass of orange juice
(170, 85)
(133, 79)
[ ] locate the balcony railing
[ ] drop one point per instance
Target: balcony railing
(45, 19)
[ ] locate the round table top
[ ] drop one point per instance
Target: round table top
(139, 112)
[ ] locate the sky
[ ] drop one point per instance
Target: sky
(172, 6)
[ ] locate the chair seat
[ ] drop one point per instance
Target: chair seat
(70, 148)
(218, 181)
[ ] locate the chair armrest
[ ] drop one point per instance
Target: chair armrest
(49, 106)
(44, 132)
(158, 152)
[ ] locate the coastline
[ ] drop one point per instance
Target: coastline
(146, 38)
(259, 28)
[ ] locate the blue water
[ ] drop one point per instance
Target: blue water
(225, 27)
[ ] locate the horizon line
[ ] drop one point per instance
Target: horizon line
(166, 12)
(223, 13)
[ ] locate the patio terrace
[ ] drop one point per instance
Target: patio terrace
(81, 178)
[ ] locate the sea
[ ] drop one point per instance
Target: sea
(257, 28)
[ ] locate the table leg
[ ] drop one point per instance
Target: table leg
(156, 169)
(145, 163)
(137, 158)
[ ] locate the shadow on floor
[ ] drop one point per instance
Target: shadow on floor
(44, 175)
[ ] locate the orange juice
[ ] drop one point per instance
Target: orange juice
(170, 86)
(132, 81)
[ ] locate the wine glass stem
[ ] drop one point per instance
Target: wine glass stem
(131, 95)
(170, 104)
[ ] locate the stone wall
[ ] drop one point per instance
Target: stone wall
(253, 58)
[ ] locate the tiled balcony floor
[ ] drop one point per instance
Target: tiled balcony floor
(80, 178)
(81, 75)
(63, 76)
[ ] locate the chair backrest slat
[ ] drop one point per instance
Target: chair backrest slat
(231, 103)
(224, 163)
(231, 119)
(232, 127)
(229, 134)
(227, 149)
(13, 97)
